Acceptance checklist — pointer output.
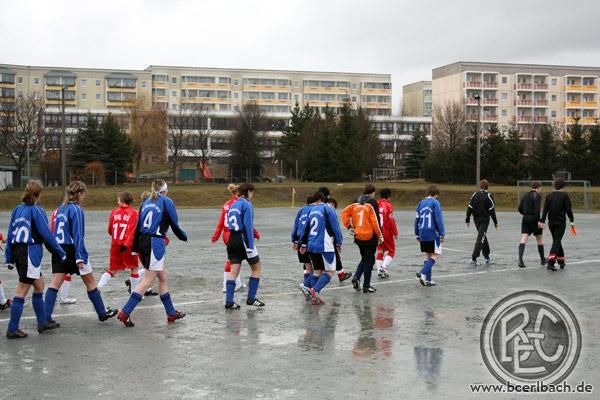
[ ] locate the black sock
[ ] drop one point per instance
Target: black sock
(541, 251)
(521, 251)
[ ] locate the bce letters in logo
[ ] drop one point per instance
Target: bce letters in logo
(530, 336)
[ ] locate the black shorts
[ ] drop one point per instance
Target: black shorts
(20, 253)
(69, 266)
(529, 226)
(316, 259)
(237, 252)
(431, 246)
(303, 258)
(145, 250)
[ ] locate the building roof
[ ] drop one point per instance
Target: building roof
(508, 68)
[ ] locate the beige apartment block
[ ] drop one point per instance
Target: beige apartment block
(520, 95)
(416, 99)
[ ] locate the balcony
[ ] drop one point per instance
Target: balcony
(540, 86)
(581, 88)
(524, 86)
(471, 117)
(574, 104)
(490, 85)
(540, 103)
(524, 118)
(490, 101)
(588, 120)
(589, 104)
(524, 102)
(490, 117)
(540, 119)
(590, 88)
(473, 84)
(471, 101)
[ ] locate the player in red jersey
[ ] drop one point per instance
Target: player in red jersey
(121, 228)
(222, 227)
(387, 250)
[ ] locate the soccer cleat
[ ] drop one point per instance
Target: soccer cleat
(128, 284)
(176, 316)
(110, 312)
(68, 300)
(430, 283)
(232, 306)
(255, 303)
(562, 266)
(521, 264)
(151, 292)
(474, 264)
(125, 319)
(543, 261)
(344, 276)
(305, 291)
(314, 297)
(383, 274)
(551, 267)
(48, 327)
(18, 334)
(356, 284)
(6, 305)
(370, 289)
(488, 261)
(421, 278)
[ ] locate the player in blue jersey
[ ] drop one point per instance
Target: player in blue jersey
(69, 232)
(321, 237)
(27, 231)
(430, 232)
(303, 258)
(156, 215)
(339, 268)
(241, 246)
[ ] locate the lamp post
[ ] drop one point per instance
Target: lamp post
(478, 167)
(63, 154)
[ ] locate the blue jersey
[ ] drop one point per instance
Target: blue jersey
(69, 229)
(29, 225)
(322, 231)
(240, 218)
(300, 222)
(155, 218)
(429, 223)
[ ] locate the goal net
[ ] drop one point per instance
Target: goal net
(580, 193)
(385, 174)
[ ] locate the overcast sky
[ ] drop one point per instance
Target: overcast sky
(403, 38)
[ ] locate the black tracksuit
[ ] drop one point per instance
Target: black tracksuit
(367, 248)
(530, 208)
(556, 206)
(481, 206)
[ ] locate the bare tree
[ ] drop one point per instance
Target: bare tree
(251, 127)
(21, 131)
(449, 126)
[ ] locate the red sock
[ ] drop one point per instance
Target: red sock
(228, 266)
(68, 278)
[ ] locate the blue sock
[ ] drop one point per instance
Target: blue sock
(16, 309)
(307, 276)
(50, 301)
(427, 268)
(230, 287)
(322, 282)
(252, 287)
(40, 310)
(133, 301)
(313, 281)
(166, 299)
(96, 299)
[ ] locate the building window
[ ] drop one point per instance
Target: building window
(84, 83)
(83, 96)
(235, 95)
(174, 79)
(143, 84)
(354, 99)
(553, 81)
(36, 81)
(173, 93)
(98, 83)
(236, 82)
(553, 114)
(36, 95)
(296, 99)
(20, 94)
(504, 96)
(354, 86)
(296, 84)
(504, 112)
(98, 97)
(174, 106)
(553, 97)
(504, 80)
(20, 79)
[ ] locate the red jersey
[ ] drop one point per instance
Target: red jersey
(222, 224)
(388, 223)
(121, 226)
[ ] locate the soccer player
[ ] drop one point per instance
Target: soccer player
(69, 232)
(241, 246)
(387, 250)
(530, 208)
(222, 226)
(63, 292)
(156, 215)
(339, 267)
(320, 237)
(296, 236)
(557, 204)
(27, 231)
(430, 233)
(482, 207)
(121, 228)
(362, 219)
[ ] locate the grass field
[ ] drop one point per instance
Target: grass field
(405, 195)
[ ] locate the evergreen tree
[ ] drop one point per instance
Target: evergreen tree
(544, 159)
(575, 155)
(294, 146)
(494, 164)
(593, 155)
(117, 151)
(88, 145)
(418, 150)
(515, 149)
(245, 153)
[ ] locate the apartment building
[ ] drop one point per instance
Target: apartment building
(417, 99)
(520, 95)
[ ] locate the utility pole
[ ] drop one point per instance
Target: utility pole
(478, 167)
(63, 152)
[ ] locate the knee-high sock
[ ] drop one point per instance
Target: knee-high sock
(2, 298)
(16, 310)
(106, 277)
(541, 251)
(230, 287)
(50, 301)
(521, 251)
(379, 263)
(387, 261)
(225, 277)
(252, 287)
(322, 282)
(307, 277)
(133, 301)
(141, 272)
(427, 268)
(65, 287)
(313, 280)
(37, 301)
(238, 281)
(134, 278)
(166, 300)
(96, 299)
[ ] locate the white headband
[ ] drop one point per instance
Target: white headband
(163, 189)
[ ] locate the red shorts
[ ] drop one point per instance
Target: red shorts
(121, 260)
(388, 245)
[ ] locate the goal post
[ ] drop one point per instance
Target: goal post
(580, 193)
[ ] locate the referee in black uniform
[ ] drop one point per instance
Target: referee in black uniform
(557, 204)
(482, 208)
(530, 208)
